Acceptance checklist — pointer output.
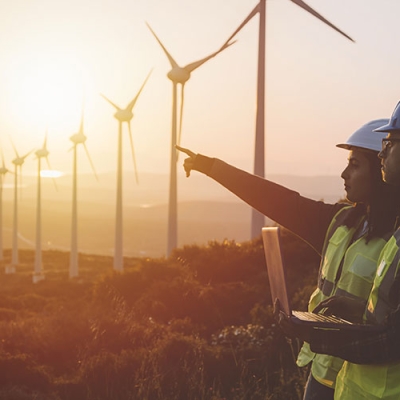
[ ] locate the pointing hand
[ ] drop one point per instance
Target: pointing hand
(188, 162)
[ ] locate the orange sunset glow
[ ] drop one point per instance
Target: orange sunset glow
(55, 56)
(135, 256)
(58, 59)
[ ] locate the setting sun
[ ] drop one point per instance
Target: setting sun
(47, 91)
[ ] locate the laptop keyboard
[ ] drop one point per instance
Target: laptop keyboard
(309, 316)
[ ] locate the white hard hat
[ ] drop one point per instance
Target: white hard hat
(365, 137)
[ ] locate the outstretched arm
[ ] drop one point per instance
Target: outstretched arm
(307, 218)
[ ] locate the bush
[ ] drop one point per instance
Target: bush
(197, 325)
(22, 371)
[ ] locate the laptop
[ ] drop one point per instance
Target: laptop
(277, 280)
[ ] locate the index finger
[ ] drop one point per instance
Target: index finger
(186, 151)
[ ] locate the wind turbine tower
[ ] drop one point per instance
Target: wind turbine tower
(257, 219)
(122, 115)
(38, 271)
(3, 171)
(178, 75)
(18, 162)
(77, 139)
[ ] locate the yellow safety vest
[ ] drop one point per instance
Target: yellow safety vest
(347, 269)
(357, 381)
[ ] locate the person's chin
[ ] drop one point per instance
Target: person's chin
(348, 198)
(390, 179)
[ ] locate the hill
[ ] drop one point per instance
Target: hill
(206, 211)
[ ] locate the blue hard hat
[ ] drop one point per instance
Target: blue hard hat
(394, 123)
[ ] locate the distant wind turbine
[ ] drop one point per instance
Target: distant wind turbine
(77, 139)
(123, 115)
(178, 75)
(257, 220)
(18, 162)
(3, 172)
(38, 272)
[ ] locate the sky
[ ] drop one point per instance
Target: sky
(57, 56)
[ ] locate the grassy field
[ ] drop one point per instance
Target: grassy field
(196, 325)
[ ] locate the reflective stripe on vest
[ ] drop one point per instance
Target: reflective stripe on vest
(347, 269)
(336, 242)
(379, 304)
(356, 279)
(356, 381)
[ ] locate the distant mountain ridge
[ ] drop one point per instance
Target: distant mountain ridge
(206, 211)
(154, 188)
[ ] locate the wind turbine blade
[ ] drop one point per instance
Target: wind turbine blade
(82, 120)
(2, 159)
(90, 161)
(51, 169)
(48, 163)
(170, 58)
(26, 155)
(249, 17)
(133, 152)
(191, 67)
(15, 149)
(45, 141)
(113, 104)
(133, 102)
(306, 7)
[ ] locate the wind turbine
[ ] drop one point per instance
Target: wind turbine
(76, 139)
(178, 75)
(123, 115)
(3, 171)
(257, 219)
(18, 162)
(41, 153)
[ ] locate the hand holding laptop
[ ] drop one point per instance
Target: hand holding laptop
(289, 329)
(305, 320)
(343, 307)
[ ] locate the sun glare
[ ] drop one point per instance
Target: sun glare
(46, 90)
(48, 173)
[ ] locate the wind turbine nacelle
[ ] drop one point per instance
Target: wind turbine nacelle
(42, 153)
(78, 138)
(123, 115)
(178, 75)
(18, 161)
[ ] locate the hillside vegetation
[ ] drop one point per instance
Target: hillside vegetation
(197, 325)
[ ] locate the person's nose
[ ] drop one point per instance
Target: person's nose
(382, 154)
(344, 175)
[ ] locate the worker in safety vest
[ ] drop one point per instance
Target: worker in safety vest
(348, 237)
(372, 369)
